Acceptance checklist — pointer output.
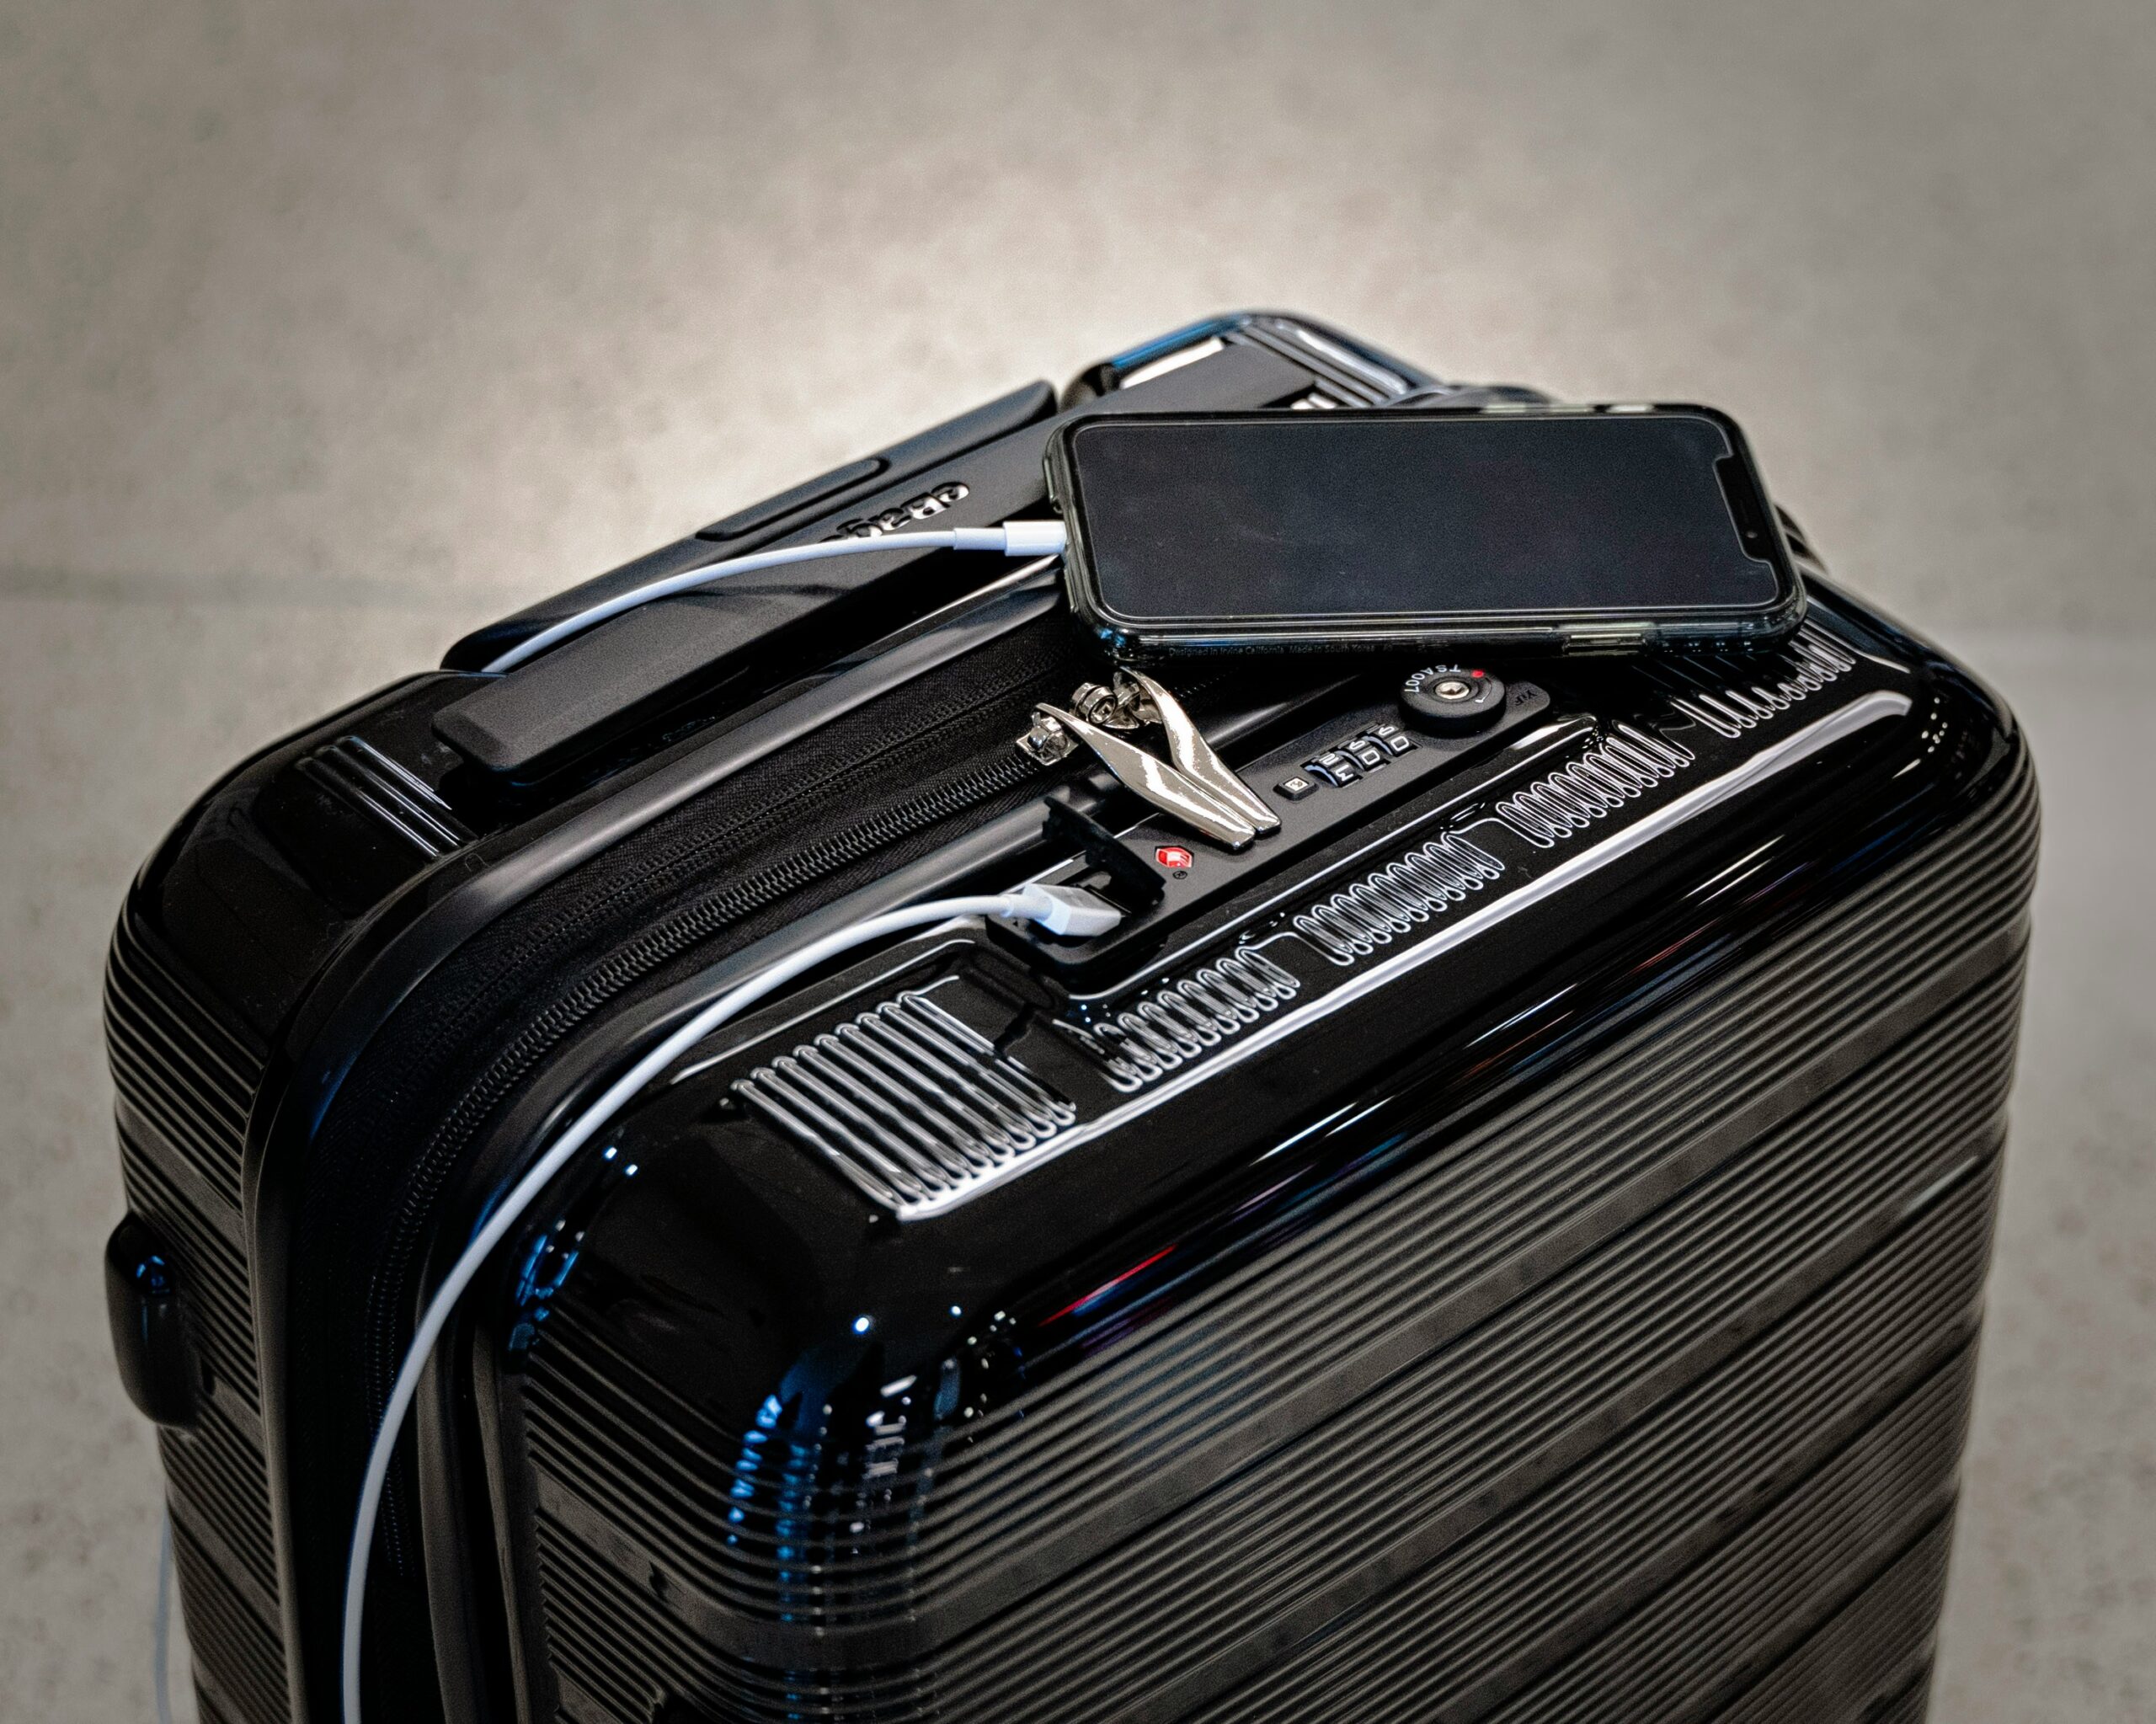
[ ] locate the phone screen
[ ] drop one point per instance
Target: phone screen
(1310, 519)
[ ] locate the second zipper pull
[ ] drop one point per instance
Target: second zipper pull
(1188, 751)
(1058, 734)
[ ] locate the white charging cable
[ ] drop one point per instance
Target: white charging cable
(1060, 909)
(1014, 538)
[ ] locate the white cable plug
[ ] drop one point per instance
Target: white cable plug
(1058, 908)
(1065, 910)
(1014, 538)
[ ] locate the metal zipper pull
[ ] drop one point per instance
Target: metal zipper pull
(1056, 735)
(1188, 751)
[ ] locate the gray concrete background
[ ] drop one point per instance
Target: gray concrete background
(327, 332)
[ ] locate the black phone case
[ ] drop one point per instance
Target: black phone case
(1458, 635)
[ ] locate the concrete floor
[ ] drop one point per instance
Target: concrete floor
(327, 332)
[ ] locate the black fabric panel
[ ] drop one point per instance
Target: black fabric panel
(382, 1157)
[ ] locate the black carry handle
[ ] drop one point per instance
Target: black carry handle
(771, 623)
(800, 512)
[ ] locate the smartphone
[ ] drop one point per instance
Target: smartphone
(1520, 530)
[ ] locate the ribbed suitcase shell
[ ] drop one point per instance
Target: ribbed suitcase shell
(1696, 1325)
(1576, 1325)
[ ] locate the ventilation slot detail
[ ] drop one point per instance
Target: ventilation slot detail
(1632, 759)
(910, 1104)
(1808, 664)
(1602, 781)
(1373, 912)
(1151, 1038)
(365, 776)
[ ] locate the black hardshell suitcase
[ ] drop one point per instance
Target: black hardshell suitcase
(1509, 1247)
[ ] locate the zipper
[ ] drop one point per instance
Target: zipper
(387, 1293)
(1194, 783)
(1009, 770)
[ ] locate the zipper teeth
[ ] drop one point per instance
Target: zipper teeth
(687, 857)
(540, 1036)
(702, 921)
